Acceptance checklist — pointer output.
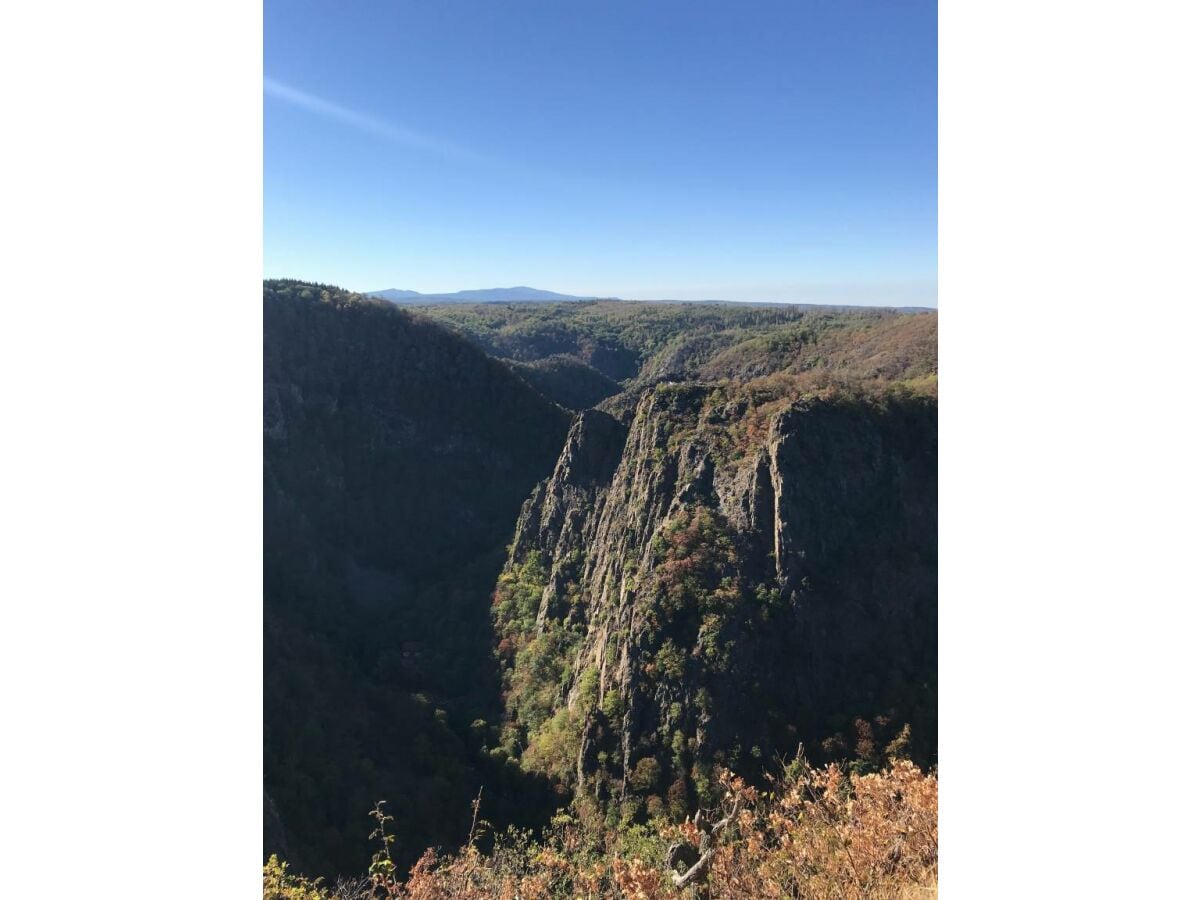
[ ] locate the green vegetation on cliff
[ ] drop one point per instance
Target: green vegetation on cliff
(755, 570)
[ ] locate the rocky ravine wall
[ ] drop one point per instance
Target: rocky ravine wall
(718, 582)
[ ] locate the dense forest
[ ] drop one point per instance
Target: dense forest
(626, 346)
(558, 580)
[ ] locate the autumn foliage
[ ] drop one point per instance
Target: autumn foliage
(816, 833)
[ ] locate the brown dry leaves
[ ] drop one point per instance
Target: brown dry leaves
(820, 834)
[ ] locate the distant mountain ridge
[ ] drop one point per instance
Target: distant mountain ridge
(525, 294)
(484, 295)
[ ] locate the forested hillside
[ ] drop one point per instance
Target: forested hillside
(602, 557)
(638, 344)
(396, 458)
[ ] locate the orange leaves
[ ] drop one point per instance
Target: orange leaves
(820, 833)
(860, 836)
(638, 880)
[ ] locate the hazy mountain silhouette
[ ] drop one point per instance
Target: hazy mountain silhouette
(484, 295)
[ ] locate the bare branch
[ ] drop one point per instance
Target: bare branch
(725, 822)
(695, 872)
(709, 833)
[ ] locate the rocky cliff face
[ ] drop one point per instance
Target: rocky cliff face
(720, 577)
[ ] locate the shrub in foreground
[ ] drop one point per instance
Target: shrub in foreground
(817, 833)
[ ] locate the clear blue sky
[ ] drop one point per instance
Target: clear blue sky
(635, 148)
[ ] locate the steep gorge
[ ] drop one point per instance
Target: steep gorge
(732, 552)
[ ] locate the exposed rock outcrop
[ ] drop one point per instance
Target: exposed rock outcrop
(717, 581)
